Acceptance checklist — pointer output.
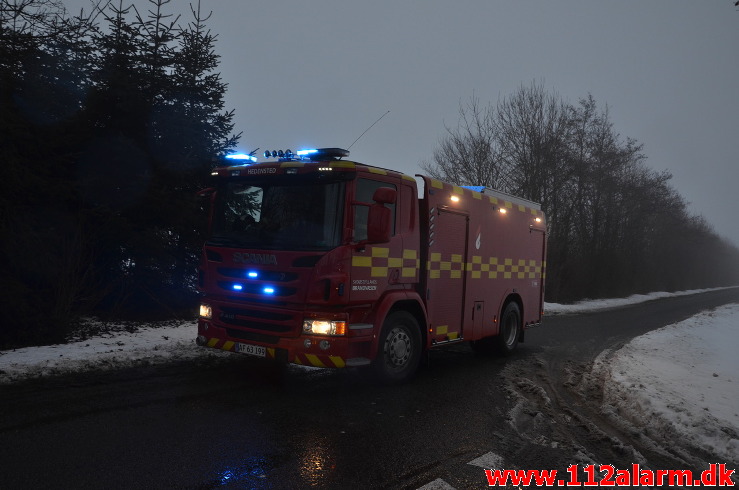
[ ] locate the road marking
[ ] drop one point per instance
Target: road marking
(437, 484)
(488, 461)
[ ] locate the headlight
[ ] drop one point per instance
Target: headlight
(206, 311)
(324, 327)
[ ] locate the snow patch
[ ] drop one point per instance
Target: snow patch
(115, 347)
(588, 305)
(681, 382)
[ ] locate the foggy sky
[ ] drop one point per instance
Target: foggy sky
(306, 74)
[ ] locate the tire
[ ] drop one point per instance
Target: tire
(399, 348)
(510, 329)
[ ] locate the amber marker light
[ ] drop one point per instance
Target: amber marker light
(454, 198)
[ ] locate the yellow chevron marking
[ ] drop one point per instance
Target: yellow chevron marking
(314, 360)
(338, 361)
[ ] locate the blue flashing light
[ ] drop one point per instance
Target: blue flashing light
(252, 274)
(242, 157)
(268, 290)
(305, 153)
(238, 287)
(323, 153)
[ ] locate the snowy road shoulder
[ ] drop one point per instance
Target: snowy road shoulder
(590, 305)
(114, 349)
(681, 383)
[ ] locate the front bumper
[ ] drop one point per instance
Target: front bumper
(307, 350)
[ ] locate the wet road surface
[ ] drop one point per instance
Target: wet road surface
(233, 422)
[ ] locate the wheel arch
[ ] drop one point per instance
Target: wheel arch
(408, 301)
(418, 312)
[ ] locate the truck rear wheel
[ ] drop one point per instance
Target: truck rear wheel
(399, 349)
(510, 329)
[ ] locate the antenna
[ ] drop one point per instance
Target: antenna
(378, 120)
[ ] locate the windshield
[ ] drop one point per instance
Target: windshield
(298, 215)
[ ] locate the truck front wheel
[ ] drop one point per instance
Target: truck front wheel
(399, 349)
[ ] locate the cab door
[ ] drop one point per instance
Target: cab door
(375, 267)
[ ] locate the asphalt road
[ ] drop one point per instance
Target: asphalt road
(237, 423)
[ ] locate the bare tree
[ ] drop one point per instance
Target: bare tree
(532, 131)
(468, 154)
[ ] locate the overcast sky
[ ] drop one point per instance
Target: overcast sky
(306, 74)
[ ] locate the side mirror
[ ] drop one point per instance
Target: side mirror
(385, 195)
(379, 219)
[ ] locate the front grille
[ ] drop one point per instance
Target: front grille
(264, 275)
(262, 315)
(255, 337)
(252, 325)
(269, 321)
(306, 261)
(260, 289)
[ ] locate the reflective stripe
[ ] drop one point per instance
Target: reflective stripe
(338, 361)
(314, 360)
(480, 268)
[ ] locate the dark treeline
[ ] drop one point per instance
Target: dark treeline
(615, 226)
(109, 125)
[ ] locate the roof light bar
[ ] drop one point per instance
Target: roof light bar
(242, 157)
(323, 153)
(282, 155)
(305, 153)
(313, 154)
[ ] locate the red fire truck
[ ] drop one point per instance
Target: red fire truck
(317, 260)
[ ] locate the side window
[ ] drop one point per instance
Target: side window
(365, 191)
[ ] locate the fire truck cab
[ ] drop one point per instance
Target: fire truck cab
(317, 260)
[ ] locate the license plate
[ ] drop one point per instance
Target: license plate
(252, 350)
